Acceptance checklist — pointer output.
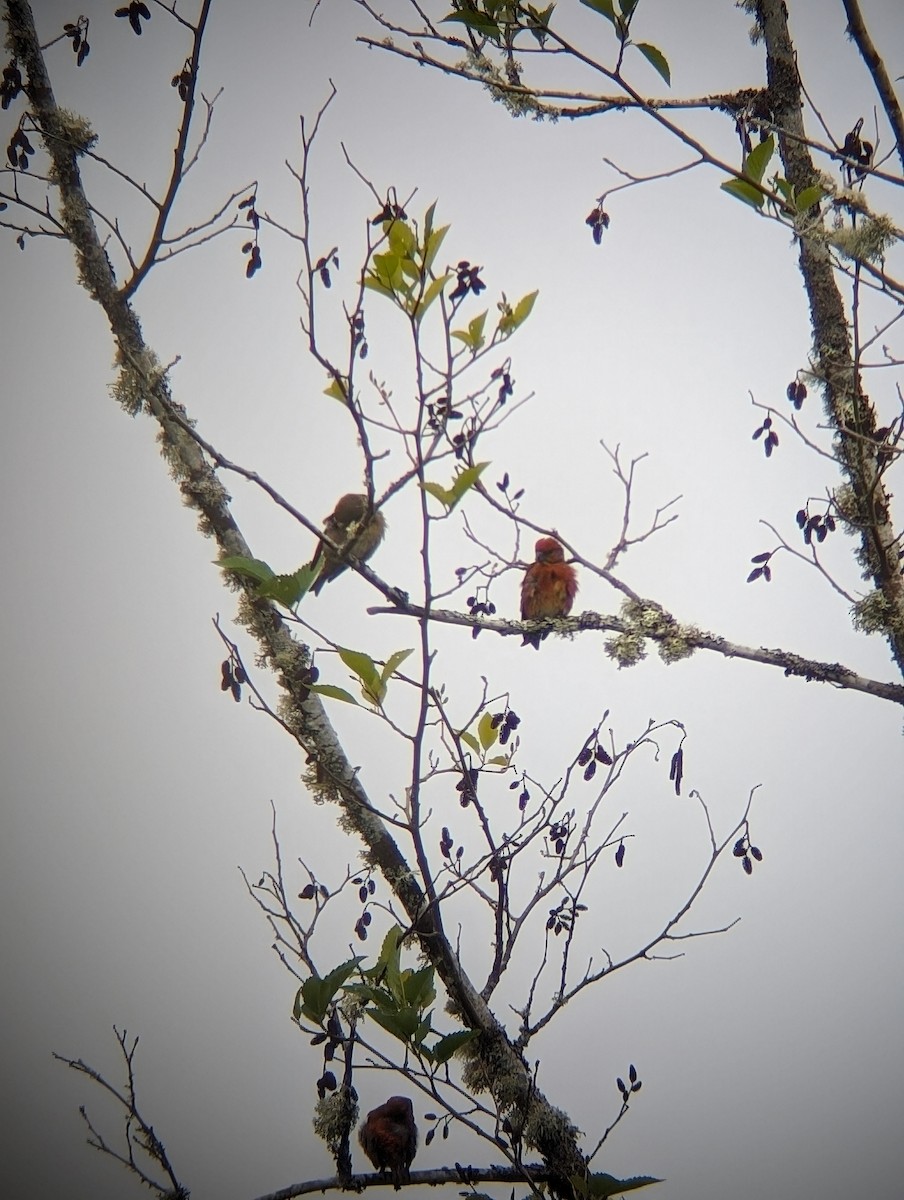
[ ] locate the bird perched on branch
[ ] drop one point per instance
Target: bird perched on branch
(356, 529)
(389, 1138)
(548, 588)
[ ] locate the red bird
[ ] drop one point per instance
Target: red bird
(389, 1138)
(548, 588)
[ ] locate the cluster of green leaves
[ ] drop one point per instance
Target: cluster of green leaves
(749, 187)
(374, 679)
(463, 482)
(500, 21)
(404, 270)
(287, 590)
(397, 999)
(511, 318)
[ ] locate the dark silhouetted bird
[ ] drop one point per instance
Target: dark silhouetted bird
(549, 587)
(389, 1138)
(355, 529)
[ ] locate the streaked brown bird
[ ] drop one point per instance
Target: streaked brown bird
(548, 589)
(356, 529)
(389, 1138)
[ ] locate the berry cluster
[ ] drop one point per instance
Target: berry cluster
(771, 440)
(506, 722)
(79, 35)
(797, 393)
(18, 150)
(562, 918)
(598, 222)
(333, 1039)
(590, 756)
(479, 608)
(389, 212)
(441, 411)
(366, 889)
(233, 676)
(859, 150)
(183, 80)
(252, 249)
(468, 281)
(819, 526)
(747, 853)
(467, 786)
(635, 1084)
(506, 385)
(559, 833)
(763, 568)
(11, 84)
(524, 796)
(135, 12)
(322, 267)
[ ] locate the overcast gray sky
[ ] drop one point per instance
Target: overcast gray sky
(772, 1056)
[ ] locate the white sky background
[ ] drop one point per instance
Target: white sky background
(772, 1056)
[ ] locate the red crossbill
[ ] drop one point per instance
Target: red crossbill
(548, 588)
(356, 529)
(389, 1138)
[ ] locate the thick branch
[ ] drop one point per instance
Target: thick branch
(495, 1065)
(850, 410)
(434, 1178)
(665, 631)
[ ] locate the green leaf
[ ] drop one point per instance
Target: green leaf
(338, 389)
(375, 284)
(475, 329)
(477, 21)
(498, 760)
(393, 663)
(333, 693)
(656, 59)
(428, 222)
(401, 1024)
(431, 292)
(443, 1050)
(757, 160)
(252, 568)
(487, 731)
(425, 1027)
(378, 996)
(600, 1185)
(785, 188)
(809, 196)
(388, 964)
(472, 337)
(433, 239)
(627, 8)
(289, 589)
(418, 987)
(372, 687)
(470, 740)
(443, 495)
(465, 480)
(603, 7)
(741, 190)
(539, 21)
(462, 482)
(401, 239)
(316, 994)
(410, 268)
(510, 320)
